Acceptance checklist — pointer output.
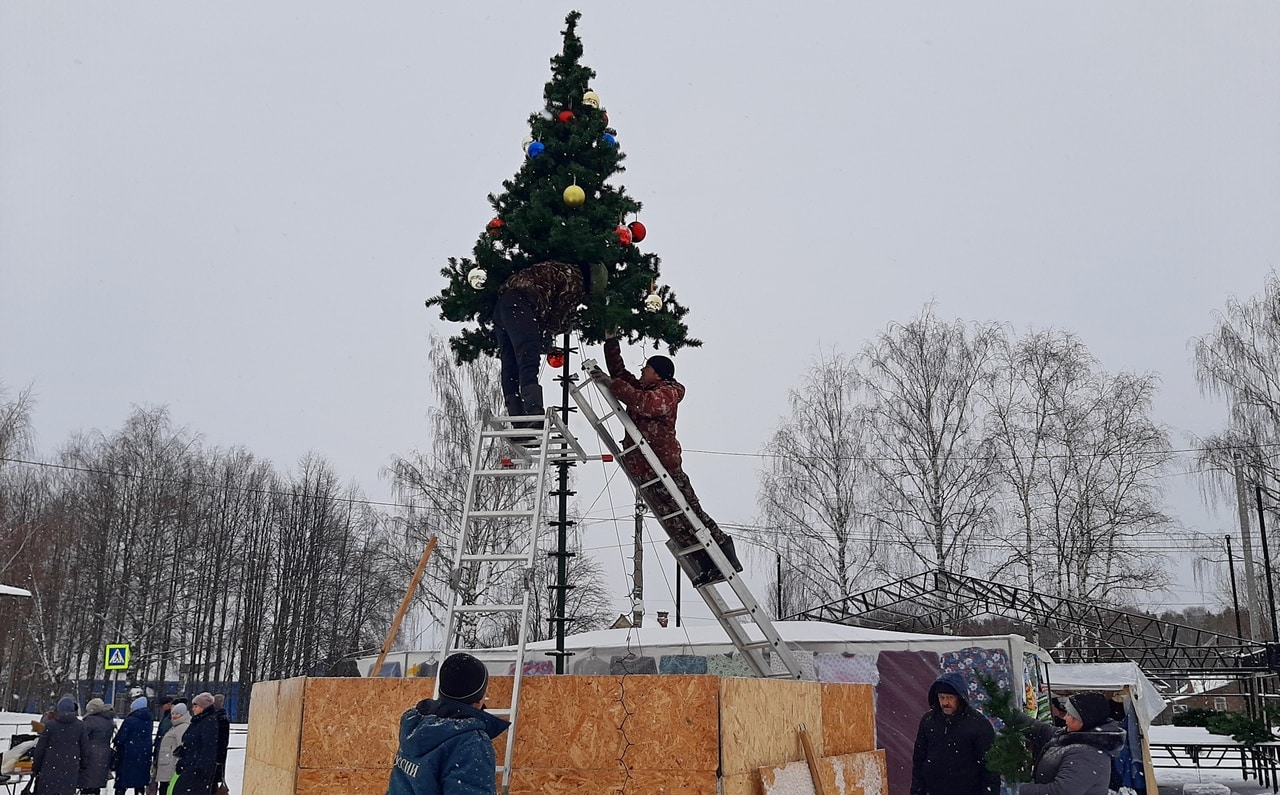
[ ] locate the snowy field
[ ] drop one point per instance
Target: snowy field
(20, 723)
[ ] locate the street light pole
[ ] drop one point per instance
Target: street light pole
(1266, 562)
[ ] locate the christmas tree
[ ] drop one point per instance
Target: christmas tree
(560, 207)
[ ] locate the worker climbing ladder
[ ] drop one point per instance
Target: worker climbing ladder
(496, 586)
(737, 609)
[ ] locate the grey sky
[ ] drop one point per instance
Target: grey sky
(236, 209)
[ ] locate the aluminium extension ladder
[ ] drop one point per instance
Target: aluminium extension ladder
(735, 618)
(527, 462)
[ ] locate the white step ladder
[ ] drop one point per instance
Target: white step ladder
(523, 455)
(735, 615)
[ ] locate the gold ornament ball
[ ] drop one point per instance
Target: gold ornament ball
(591, 99)
(477, 278)
(574, 196)
(653, 303)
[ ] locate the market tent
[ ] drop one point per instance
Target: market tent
(1127, 682)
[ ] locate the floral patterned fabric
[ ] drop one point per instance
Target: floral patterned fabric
(845, 667)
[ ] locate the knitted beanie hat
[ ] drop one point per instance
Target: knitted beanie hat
(463, 678)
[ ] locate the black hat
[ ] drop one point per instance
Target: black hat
(463, 678)
(1091, 709)
(943, 686)
(664, 367)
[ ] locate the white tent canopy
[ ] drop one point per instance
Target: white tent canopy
(1110, 676)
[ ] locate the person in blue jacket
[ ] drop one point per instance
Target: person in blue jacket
(446, 744)
(131, 757)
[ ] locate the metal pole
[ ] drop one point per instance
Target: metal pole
(781, 612)
(1266, 562)
(562, 523)
(637, 590)
(1235, 597)
(1252, 599)
(678, 576)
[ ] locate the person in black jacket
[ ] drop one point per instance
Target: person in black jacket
(198, 762)
(224, 735)
(99, 728)
(60, 751)
(950, 745)
(131, 759)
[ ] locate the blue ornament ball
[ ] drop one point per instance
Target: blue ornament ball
(609, 139)
(534, 149)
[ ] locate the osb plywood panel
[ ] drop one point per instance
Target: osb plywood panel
(343, 782)
(758, 720)
(570, 722)
(673, 722)
(352, 722)
(849, 774)
(263, 779)
(277, 708)
(613, 782)
(742, 784)
(848, 719)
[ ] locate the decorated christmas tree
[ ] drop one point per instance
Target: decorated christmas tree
(561, 207)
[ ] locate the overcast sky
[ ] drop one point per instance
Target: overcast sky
(236, 209)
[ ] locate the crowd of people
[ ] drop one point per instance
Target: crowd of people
(186, 754)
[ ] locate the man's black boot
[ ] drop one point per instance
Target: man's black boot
(726, 547)
(708, 573)
(531, 403)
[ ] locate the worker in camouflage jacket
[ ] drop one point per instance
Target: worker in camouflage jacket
(652, 401)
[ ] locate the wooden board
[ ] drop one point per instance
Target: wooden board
(848, 718)
(758, 720)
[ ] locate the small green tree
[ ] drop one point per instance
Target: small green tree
(560, 206)
(1009, 754)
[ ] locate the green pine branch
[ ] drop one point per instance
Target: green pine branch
(1009, 755)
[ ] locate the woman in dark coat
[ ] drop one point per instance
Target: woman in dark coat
(132, 758)
(198, 760)
(99, 727)
(59, 751)
(1075, 759)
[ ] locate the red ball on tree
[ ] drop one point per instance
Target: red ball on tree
(565, 116)
(637, 231)
(555, 359)
(495, 226)
(624, 235)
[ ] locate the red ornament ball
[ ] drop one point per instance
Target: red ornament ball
(624, 235)
(565, 116)
(495, 226)
(637, 231)
(555, 359)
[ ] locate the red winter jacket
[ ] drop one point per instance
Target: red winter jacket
(652, 407)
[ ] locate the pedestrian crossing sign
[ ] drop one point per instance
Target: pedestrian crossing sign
(117, 658)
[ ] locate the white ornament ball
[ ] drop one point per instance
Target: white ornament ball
(653, 303)
(524, 145)
(592, 99)
(477, 277)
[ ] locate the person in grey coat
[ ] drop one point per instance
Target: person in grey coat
(99, 727)
(59, 751)
(1076, 759)
(167, 754)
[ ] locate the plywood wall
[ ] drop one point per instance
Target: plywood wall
(577, 735)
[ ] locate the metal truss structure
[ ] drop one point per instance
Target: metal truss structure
(935, 600)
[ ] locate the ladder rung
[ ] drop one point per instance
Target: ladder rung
(737, 612)
(488, 608)
(510, 472)
(497, 558)
(498, 514)
(758, 644)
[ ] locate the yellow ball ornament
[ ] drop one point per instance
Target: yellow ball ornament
(574, 196)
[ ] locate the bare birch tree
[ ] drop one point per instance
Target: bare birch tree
(814, 489)
(932, 459)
